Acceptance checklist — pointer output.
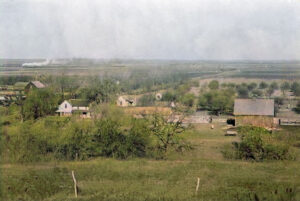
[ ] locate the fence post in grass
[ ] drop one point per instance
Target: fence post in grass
(197, 187)
(75, 183)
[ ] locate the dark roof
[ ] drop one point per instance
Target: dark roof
(259, 107)
(79, 102)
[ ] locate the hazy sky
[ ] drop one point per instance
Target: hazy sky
(150, 29)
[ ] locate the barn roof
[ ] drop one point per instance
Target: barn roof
(38, 84)
(259, 107)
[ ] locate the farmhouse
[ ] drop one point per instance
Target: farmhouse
(66, 108)
(256, 112)
(125, 101)
(34, 85)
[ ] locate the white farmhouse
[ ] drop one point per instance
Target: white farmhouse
(67, 109)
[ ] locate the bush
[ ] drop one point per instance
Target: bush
(213, 85)
(188, 100)
(257, 144)
(169, 96)
(138, 140)
(75, 142)
(109, 140)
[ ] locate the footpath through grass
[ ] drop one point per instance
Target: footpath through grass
(143, 179)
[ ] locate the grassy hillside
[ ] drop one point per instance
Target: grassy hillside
(148, 179)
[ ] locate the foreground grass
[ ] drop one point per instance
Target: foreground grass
(145, 179)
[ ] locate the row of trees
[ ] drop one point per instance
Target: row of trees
(113, 135)
(220, 97)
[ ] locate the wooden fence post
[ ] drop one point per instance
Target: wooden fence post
(197, 187)
(75, 183)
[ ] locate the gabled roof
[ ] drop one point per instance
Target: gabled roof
(259, 107)
(38, 84)
(61, 107)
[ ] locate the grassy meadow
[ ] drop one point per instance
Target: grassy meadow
(174, 178)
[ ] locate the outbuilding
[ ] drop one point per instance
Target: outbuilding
(34, 85)
(256, 112)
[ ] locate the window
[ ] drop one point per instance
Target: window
(66, 106)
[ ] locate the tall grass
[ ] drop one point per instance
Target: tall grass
(147, 179)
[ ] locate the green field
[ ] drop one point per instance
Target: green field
(146, 179)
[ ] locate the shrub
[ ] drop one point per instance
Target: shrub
(213, 85)
(108, 139)
(138, 139)
(75, 142)
(188, 99)
(257, 144)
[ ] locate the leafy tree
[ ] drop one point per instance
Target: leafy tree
(274, 86)
(169, 96)
(297, 109)
(243, 92)
(100, 91)
(257, 93)
(188, 99)
(231, 85)
(67, 84)
(168, 135)
(295, 87)
(270, 91)
(138, 139)
(284, 87)
(213, 85)
(297, 91)
(263, 85)
(39, 103)
(252, 86)
(217, 101)
(279, 101)
(75, 142)
(108, 139)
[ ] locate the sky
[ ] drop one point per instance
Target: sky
(151, 29)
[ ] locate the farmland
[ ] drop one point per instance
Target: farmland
(146, 179)
(119, 153)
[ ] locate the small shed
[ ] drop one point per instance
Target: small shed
(34, 85)
(256, 112)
